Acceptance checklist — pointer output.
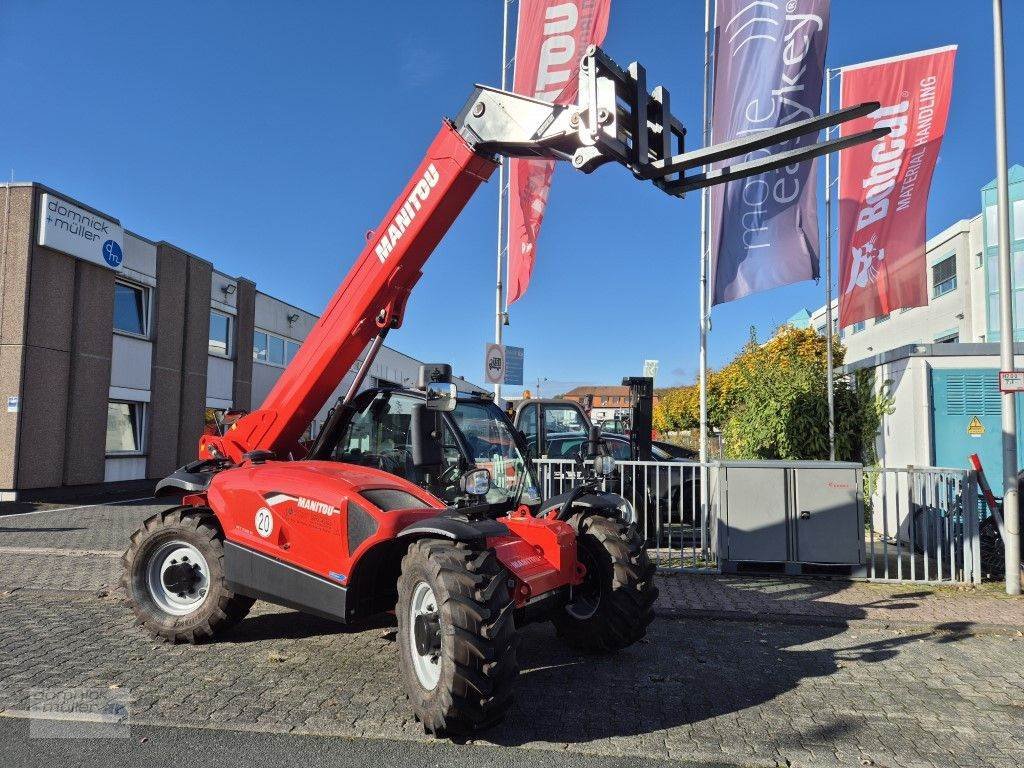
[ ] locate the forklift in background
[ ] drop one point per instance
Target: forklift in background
(553, 427)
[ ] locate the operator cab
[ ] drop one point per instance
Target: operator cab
(434, 444)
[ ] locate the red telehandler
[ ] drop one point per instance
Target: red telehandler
(261, 519)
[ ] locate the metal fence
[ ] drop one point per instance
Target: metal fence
(667, 500)
(922, 525)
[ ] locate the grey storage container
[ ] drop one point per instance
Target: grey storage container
(800, 516)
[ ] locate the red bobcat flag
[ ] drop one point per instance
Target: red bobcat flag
(883, 187)
(551, 38)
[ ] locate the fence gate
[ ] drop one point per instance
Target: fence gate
(921, 524)
(667, 500)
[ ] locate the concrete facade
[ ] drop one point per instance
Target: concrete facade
(72, 374)
(962, 310)
(955, 314)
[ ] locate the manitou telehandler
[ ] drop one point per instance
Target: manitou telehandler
(262, 519)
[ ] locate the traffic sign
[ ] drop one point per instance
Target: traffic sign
(1011, 381)
(494, 364)
(514, 366)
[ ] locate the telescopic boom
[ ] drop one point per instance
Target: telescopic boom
(614, 119)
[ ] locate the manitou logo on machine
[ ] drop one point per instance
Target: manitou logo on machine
(320, 507)
(407, 213)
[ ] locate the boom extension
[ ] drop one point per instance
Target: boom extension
(615, 119)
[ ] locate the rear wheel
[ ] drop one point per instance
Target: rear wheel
(174, 577)
(456, 636)
(615, 603)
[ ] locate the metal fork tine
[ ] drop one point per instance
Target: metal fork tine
(770, 163)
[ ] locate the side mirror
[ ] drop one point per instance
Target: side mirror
(476, 482)
(441, 397)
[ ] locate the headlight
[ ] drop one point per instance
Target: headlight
(604, 465)
(626, 512)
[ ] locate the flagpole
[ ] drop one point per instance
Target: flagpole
(829, 374)
(704, 245)
(1011, 502)
(705, 249)
(499, 301)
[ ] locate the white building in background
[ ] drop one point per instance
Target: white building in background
(956, 309)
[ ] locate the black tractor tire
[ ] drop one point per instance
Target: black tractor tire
(612, 608)
(473, 636)
(219, 609)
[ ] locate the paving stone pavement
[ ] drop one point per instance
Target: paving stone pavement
(749, 693)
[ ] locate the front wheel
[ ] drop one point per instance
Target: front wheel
(456, 636)
(615, 603)
(174, 577)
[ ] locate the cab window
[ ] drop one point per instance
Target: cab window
(528, 423)
(563, 420)
(378, 436)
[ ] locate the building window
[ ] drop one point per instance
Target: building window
(881, 318)
(979, 260)
(944, 277)
(857, 327)
(131, 307)
(991, 225)
(124, 427)
(949, 338)
(276, 350)
(259, 347)
(220, 334)
(1018, 219)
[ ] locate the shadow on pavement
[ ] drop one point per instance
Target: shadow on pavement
(294, 625)
(685, 672)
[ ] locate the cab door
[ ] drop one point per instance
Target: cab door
(559, 421)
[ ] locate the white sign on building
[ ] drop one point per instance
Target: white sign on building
(651, 368)
(78, 232)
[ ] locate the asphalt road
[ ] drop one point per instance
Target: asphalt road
(200, 747)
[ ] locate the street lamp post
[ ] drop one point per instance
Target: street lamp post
(1011, 508)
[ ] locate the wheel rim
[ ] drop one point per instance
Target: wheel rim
(425, 635)
(586, 597)
(178, 578)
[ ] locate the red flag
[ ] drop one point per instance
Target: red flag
(551, 37)
(883, 186)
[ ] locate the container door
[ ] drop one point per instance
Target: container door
(966, 419)
(828, 518)
(756, 513)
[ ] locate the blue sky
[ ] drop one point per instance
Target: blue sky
(268, 137)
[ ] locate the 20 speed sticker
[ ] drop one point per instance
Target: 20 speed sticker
(264, 522)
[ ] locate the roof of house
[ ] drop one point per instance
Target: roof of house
(610, 390)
